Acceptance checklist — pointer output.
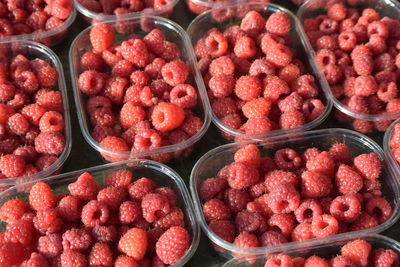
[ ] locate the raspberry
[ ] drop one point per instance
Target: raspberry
(337, 12)
(278, 23)
(84, 187)
(302, 232)
(91, 82)
(102, 37)
(347, 40)
(307, 210)
(384, 257)
(312, 109)
(325, 41)
(274, 178)
(347, 180)
(282, 223)
(365, 86)
(279, 55)
(339, 261)
(249, 154)
(41, 197)
(242, 175)
(27, 81)
(11, 253)
(215, 209)
(362, 126)
(102, 117)
(175, 72)
(50, 143)
(44, 162)
(104, 233)
(245, 240)
(140, 188)
(368, 165)
(245, 47)
(94, 213)
(5, 113)
(7, 91)
(224, 229)
(17, 124)
(278, 260)
(379, 208)
(322, 163)
(50, 245)
(316, 261)
(167, 116)
(125, 261)
(346, 208)
(12, 166)
(393, 106)
(9, 144)
(47, 221)
(216, 44)
(20, 231)
(70, 258)
(12, 210)
(363, 222)
(76, 239)
(131, 114)
(101, 254)
(290, 103)
(328, 26)
(247, 88)
(91, 61)
(112, 197)
(387, 92)
(258, 125)
(324, 226)
(123, 68)
(129, 212)
(114, 89)
(222, 66)
(47, 77)
(115, 145)
(287, 159)
(184, 96)
(252, 23)
(289, 73)
(340, 153)
(28, 153)
(51, 122)
(283, 199)
(272, 238)
(305, 86)
(120, 178)
(134, 243)
(358, 251)
(35, 260)
(315, 185)
(192, 125)
(333, 74)
(154, 205)
(212, 187)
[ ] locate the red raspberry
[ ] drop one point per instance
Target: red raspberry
(224, 229)
(102, 37)
(84, 187)
(216, 43)
(7, 91)
(340, 153)
(115, 145)
(291, 119)
(362, 126)
(290, 102)
(387, 92)
(123, 68)
(27, 81)
(312, 109)
(278, 260)
(305, 86)
(282, 223)
(11, 253)
(379, 208)
(51, 122)
(245, 240)
(315, 185)
(347, 40)
(232, 121)
(236, 200)
(215, 209)
(154, 205)
(316, 261)
(102, 117)
(174, 218)
(324, 226)
(302, 232)
(9, 144)
(112, 197)
(212, 187)
(322, 163)
(91, 82)
(140, 188)
(328, 26)
(252, 23)
(35, 260)
(363, 222)
(50, 245)
(20, 231)
(17, 124)
(114, 89)
(333, 74)
(324, 41)
(278, 23)
(171, 51)
(121, 178)
(365, 86)
(339, 261)
(28, 153)
(310, 153)
(12, 210)
(44, 162)
(98, 101)
(134, 243)
(172, 245)
(245, 47)
(47, 221)
(94, 213)
(68, 208)
(104, 233)
(346, 208)
(247, 88)
(260, 68)
(50, 143)
(222, 66)
(363, 65)
(308, 210)
(249, 154)
(175, 72)
(384, 257)
(12, 166)
(129, 212)
(279, 55)
(192, 125)
(368, 165)
(393, 106)
(70, 258)
(347, 180)
(258, 125)
(287, 159)
(242, 175)
(337, 12)
(131, 114)
(289, 73)
(5, 113)
(272, 238)
(283, 199)
(41, 197)
(167, 116)
(274, 178)
(91, 61)
(184, 96)
(358, 251)
(125, 261)
(47, 77)
(154, 40)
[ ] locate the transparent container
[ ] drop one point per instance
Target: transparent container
(94, 17)
(173, 33)
(199, 6)
(232, 14)
(388, 150)
(33, 50)
(323, 249)
(388, 8)
(160, 173)
(209, 164)
(48, 38)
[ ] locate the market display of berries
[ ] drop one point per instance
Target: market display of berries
(355, 253)
(255, 82)
(126, 223)
(32, 135)
(358, 51)
(139, 96)
(32, 16)
(291, 196)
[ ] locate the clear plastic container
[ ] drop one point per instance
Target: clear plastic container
(174, 33)
(323, 249)
(209, 164)
(161, 174)
(34, 50)
(388, 8)
(48, 38)
(232, 14)
(94, 17)
(386, 147)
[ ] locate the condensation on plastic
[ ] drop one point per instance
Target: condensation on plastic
(34, 50)
(388, 8)
(322, 249)
(214, 160)
(173, 33)
(160, 173)
(231, 15)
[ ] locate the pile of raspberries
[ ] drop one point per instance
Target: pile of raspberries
(267, 201)
(127, 223)
(359, 54)
(32, 16)
(394, 143)
(355, 253)
(31, 117)
(139, 94)
(254, 81)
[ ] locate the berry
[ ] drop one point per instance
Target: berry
(133, 243)
(116, 145)
(84, 187)
(364, 221)
(341, 261)
(246, 240)
(340, 153)
(154, 204)
(20, 231)
(102, 37)
(174, 218)
(245, 47)
(215, 209)
(212, 187)
(50, 245)
(47, 221)
(236, 200)
(283, 223)
(50, 143)
(70, 258)
(322, 163)
(12, 166)
(76, 239)
(224, 229)
(17, 124)
(384, 257)
(35, 260)
(120, 178)
(222, 66)
(278, 260)
(12, 210)
(247, 88)
(94, 213)
(129, 212)
(283, 199)
(302, 232)
(287, 159)
(112, 197)
(307, 210)
(324, 226)
(51, 122)
(379, 208)
(346, 208)
(347, 180)
(316, 261)
(242, 175)
(41, 197)
(358, 251)
(167, 116)
(104, 233)
(278, 23)
(91, 82)
(175, 72)
(368, 165)
(216, 44)
(291, 119)
(252, 22)
(101, 254)
(272, 238)
(274, 178)
(140, 188)
(257, 125)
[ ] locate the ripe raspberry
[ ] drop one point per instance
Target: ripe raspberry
(257, 125)
(50, 143)
(347, 40)
(175, 72)
(5, 113)
(347, 180)
(236, 200)
(12, 210)
(368, 165)
(249, 155)
(12, 166)
(45, 162)
(384, 257)
(50, 245)
(28, 153)
(101, 254)
(125, 261)
(134, 243)
(245, 240)
(245, 47)
(102, 37)
(337, 12)
(358, 251)
(94, 213)
(84, 188)
(114, 89)
(315, 185)
(362, 126)
(302, 232)
(279, 55)
(140, 188)
(17, 124)
(222, 66)
(115, 145)
(316, 261)
(167, 116)
(154, 205)
(272, 238)
(129, 212)
(274, 178)
(305, 86)
(363, 222)
(283, 199)
(212, 187)
(287, 159)
(322, 163)
(242, 175)
(11, 253)
(340, 153)
(247, 88)
(192, 125)
(7, 91)
(20, 231)
(51, 100)
(333, 74)
(278, 260)
(91, 61)
(123, 68)
(120, 178)
(290, 103)
(308, 210)
(174, 218)
(70, 258)
(365, 86)
(387, 91)
(278, 23)
(35, 260)
(104, 233)
(346, 208)
(47, 221)
(112, 197)
(379, 208)
(216, 44)
(328, 26)
(41, 197)
(252, 23)
(324, 226)
(131, 114)
(91, 82)
(341, 261)
(215, 209)
(184, 96)
(102, 117)
(140, 78)
(282, 223)
(51, 122)
(291, 119)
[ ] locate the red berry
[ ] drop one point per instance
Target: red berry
(134, 243)
(102, 37)
(358, 251)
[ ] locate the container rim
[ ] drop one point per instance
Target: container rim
(51, 56)
(198, 81)
(319, 77)
(150, 164)
(366, 141)
(386, 147)
(343, 108)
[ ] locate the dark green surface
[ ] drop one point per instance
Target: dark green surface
(84, 156)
